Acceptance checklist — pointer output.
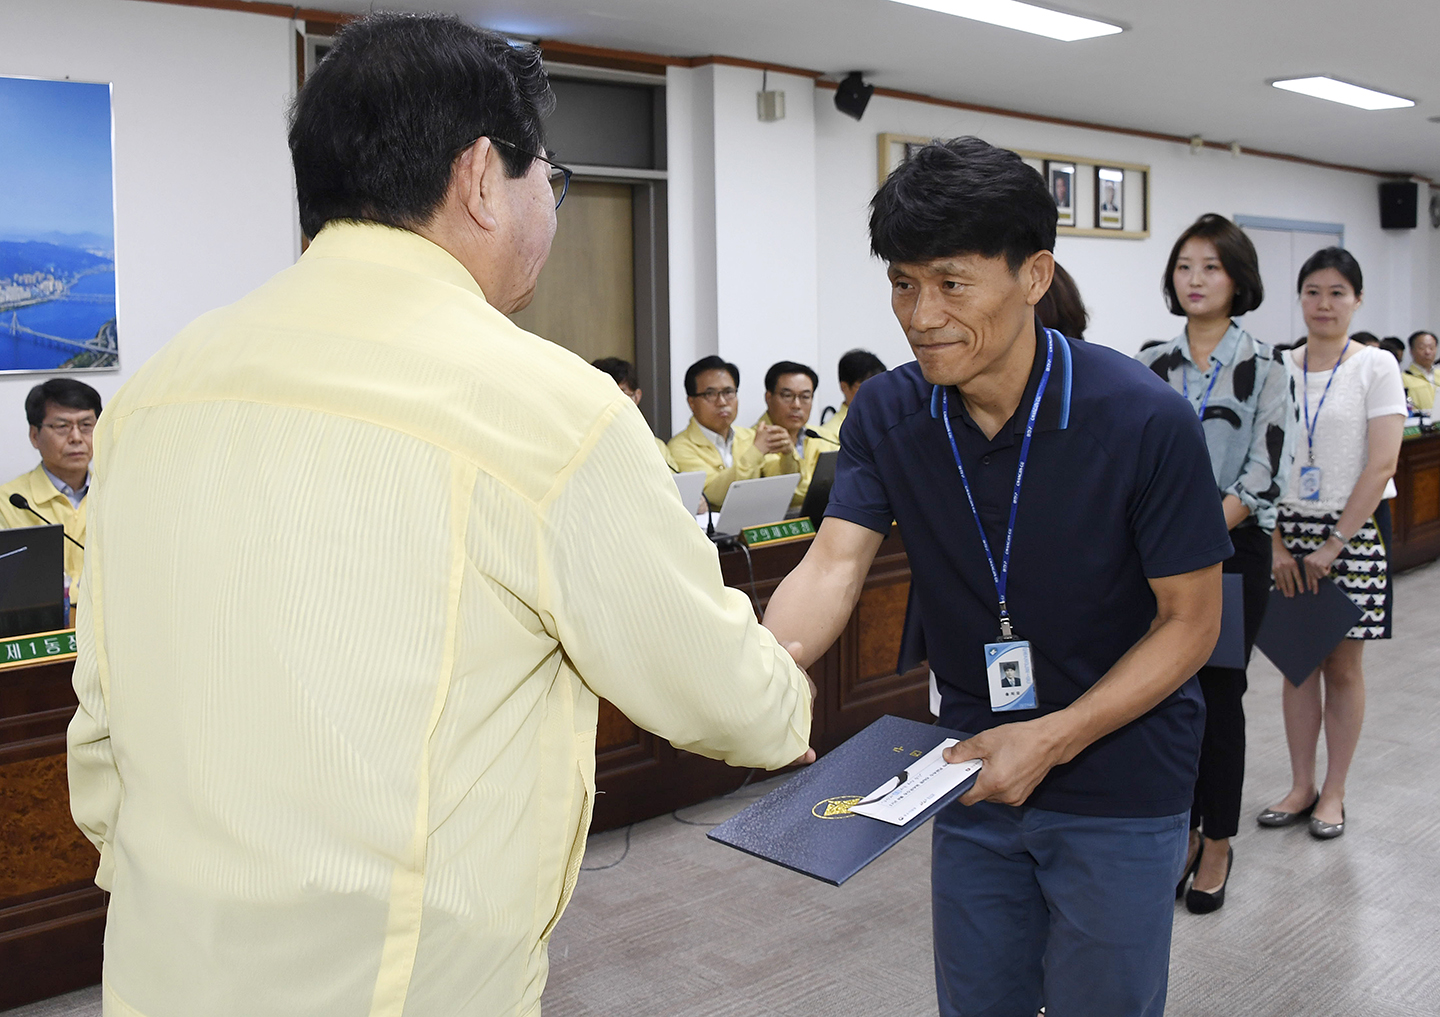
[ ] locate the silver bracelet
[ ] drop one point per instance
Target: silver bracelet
(1335, 532)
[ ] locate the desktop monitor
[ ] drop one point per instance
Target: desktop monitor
(32, 580)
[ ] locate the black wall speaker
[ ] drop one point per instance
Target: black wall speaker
(1398, 201)
(853, 95)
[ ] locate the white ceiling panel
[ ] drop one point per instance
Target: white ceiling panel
(1179, 68)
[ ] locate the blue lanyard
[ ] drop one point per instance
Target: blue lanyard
(1002, 575)
(1309, 424)
(1204, 402)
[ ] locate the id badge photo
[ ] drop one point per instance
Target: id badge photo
(1011, 676)
(1309, 483)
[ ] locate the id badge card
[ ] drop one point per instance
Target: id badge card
(1309, 483)
(1011, 676)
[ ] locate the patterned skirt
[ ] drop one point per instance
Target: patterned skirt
(1362, 568)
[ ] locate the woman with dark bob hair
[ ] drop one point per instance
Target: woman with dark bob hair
(1237, 385)
(1061, 307)
(1349, 410)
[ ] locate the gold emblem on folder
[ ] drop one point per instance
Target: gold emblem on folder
(836, 808)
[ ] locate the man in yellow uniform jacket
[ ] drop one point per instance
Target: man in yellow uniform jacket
(1419, 377)
(711, 441)
(789, 396)
(62, 413)
(336, 735)
(856, 367)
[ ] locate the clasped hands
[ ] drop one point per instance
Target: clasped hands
(772, 438)
(1287, 572)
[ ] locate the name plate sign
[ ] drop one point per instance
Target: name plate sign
(778, 533)
(18, 650)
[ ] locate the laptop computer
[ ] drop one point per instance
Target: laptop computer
(33, 600)
(691, 486)
(817, 496)
(755, 502)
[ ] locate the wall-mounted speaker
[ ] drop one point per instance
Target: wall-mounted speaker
(1399, 200)
(853, 95)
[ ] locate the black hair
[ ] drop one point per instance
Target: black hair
(783, 367)
(1237, 257)
(1365, 338)
(621, 370)
(1061, 307)
(859, 365)
(1392, 344)
(1337, 258)
(65, 392)
(376, 129)
(962, 196)
(711, 363)
(1416, 335)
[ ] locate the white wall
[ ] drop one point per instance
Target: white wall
(765, 303)
(1119, 279)
(204, 193)
(742, 228)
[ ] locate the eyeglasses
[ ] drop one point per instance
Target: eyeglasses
(563, 173)
(795, 398)
(62, 428)
(717, 395)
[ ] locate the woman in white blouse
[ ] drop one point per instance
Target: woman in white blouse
(1333, 524)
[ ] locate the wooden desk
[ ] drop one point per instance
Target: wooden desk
(1416, 509)
(644, 776)
(52, 916)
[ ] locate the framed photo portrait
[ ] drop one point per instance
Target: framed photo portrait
(1109, 198)
(1060, 178)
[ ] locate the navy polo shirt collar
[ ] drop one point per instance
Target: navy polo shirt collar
(1054, 409)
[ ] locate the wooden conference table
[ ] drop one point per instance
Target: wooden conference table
(52, 916)
(1416, 509)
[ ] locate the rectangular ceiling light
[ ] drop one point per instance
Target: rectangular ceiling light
(1324, 87)
(1020, 16)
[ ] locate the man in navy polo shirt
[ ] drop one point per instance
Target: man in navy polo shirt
(1059, 511)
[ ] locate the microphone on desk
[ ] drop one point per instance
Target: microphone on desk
(823, 437)
(18, 500)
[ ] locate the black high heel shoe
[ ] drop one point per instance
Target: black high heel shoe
(1199, 902)
(1189, 871)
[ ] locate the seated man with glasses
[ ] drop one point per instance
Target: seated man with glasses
(62, 414)
(712, 443)
(789, 396)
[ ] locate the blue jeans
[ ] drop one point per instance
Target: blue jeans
(1034, 908)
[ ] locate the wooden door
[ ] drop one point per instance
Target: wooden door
(585, 300)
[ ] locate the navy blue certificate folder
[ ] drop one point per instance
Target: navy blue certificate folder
(1300, 631)
(1230, 647)
(806, 824)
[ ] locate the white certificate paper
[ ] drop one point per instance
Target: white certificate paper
(926, 781)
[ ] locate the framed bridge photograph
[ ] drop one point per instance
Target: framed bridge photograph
(57, 227)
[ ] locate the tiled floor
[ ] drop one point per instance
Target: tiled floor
(685, 928)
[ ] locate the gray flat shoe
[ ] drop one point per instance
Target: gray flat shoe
(1275, 818)
(1328, 831)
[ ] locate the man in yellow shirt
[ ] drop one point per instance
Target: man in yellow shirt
(352, 590)
(856, 367)
(624, 374)
(789, 396)
(62, 413)
(1419, 377)
(711, 441)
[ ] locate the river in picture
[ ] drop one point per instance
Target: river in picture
(78, 316)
